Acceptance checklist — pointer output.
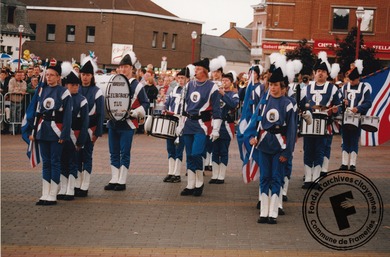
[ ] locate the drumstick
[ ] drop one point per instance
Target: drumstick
(332, 107)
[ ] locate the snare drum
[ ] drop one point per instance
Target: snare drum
(116, 90)
(351, 120)
(369, 123)
(317, 127)
(164, 126)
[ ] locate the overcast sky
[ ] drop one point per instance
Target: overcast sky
(214, 13)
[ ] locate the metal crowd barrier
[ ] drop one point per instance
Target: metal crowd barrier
(1, 108)
(14, 108)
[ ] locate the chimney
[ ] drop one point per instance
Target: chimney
(232, 24)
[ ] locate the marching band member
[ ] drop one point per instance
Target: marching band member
(217, 79)
(229, 104)
(324, 95)
(173, 107)
(275, 139)
(78, 135)
(120, 133)
(356, 97)
(202, 104)
(95, 100)
(54, 115)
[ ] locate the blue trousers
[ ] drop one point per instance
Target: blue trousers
(328, 145)
(85, 158)
(221, 151)
(69, 159)
(208, 147)
(119, 142)
(351, 140)
(51, 160)
(195, 145)
(313, 148)
(272, 174)
(175, 151)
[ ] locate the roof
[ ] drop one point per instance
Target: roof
(146, 6)
(12, 3)
(246, 33)
(231, 48)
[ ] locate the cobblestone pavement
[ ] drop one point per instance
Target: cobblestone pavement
(150, 218)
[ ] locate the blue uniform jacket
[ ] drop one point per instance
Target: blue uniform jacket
(95, 99)
(229, 103)
(362, 99)
(80, 120)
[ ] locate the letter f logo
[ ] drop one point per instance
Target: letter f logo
(342, 208)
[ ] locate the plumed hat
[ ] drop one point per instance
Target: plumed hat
(71, 78)
(293, 68)
(88, 65)
(205, 63)
(232, 75)
(128, 58)
(184, 72)
(280, 71)
(218, 63)
(258, 69)
(54, 65)
(322, 62)
(357, 71)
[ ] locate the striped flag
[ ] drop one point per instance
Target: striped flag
(380, 95)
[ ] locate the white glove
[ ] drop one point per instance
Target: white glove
(306, 115)
(137, 113)
(148, 123)
(215, 132)
(180, 127)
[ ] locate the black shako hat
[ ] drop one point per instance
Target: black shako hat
(54, 65)
(126, 60)
(228, 75)
(71, 78)
(277, 76)
(354, 74)
(87, 68)
(321, 65)
(205, 63)
(184, 72)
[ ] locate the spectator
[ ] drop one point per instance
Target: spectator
(151, 90)
(161, 96)
(4, 80)
(30, 73)
(17, 87)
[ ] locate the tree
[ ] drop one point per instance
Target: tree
(303, 52)
(345, 53)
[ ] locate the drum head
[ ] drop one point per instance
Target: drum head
(117, 98)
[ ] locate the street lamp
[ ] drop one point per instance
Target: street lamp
(101, 11)
(359, 16)
(21, 30)
(194, 35)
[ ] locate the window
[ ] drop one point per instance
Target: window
(174, 36)
(90, 35)
(11, 14)
(70, 33)
(51, 32)
(33, 26)
(154, 40)
(367, 21)
(164, 41)
(340, 19)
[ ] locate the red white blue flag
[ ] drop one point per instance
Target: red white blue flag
(380, 95)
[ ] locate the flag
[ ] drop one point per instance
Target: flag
(380, 95)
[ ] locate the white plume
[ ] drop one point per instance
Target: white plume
(324, 57)
(216, 63)
(335, 70)
(280, 62)
(290, 71)
(66, 68)
(191, 68)
(234, 75)
(297, 66)
(94, 65)
(261, 68)
(359, 66)
(272, 57)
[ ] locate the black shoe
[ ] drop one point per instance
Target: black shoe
(323, 174)
(352, 168)
(343, 167)
(213, 181)
(175, 179)
(76, 190)
(281, 211)
(110, 186)
(306, 185)
(208, 168)
(187, 191)
(81, 193)
(220, 181)
(198, 191)
(69, 197)
(60, 197)
(272, 220)
(40, 202)
(262, 220)
(315, 186)
(47, 203)
(285, 198)
(258, 205)
(168, 178)
(120, 187)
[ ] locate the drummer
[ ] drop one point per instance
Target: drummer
(356, 97)
(320, 96)
(95, 100)
(175, 148)
(202, 110)
(120, 133)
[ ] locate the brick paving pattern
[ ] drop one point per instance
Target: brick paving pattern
(150, 218)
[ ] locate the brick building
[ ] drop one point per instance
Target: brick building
(319, 22)
(68, 29)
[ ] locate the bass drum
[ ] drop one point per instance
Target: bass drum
(116, 91)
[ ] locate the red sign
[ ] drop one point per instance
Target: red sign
(278, 47)
(382, 48)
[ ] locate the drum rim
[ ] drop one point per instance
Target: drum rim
(106, 100)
